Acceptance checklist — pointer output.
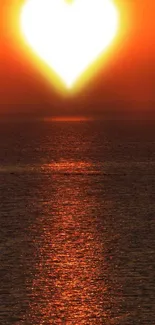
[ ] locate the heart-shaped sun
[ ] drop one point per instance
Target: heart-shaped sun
(69, 35)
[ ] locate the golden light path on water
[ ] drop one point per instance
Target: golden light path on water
(69, 284)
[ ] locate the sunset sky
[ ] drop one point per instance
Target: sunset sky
(125, 82)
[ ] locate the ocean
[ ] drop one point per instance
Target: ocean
(77, 222)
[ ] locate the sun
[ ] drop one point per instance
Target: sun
(69, 35)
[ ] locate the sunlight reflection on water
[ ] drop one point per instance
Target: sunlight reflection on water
(69, 285)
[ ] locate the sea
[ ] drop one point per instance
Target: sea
(77, 222)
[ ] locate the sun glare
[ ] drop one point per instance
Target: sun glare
(69, 35)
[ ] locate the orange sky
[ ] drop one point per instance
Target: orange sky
(127, 82)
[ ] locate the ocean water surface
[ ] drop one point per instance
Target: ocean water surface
(77, 223)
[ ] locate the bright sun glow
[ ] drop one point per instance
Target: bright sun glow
(69, 35)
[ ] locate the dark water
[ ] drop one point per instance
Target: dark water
(77, 223)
